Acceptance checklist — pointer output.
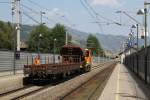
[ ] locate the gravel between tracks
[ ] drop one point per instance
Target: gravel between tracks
(58, 91)
(19, 92)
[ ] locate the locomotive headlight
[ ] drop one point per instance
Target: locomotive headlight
(87, 62)
(81, 66)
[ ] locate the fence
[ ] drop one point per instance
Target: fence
(7, 62)
(139, 63)
(8, 65)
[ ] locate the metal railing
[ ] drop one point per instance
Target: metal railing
(7, 60)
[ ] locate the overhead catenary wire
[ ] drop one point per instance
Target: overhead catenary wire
(5, 2)
(33, 19)
(98, 15)
(38, 13)
(38, 5)
(48, 10)
(26, 14)
(91, 14)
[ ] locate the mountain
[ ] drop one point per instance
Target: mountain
(108, 42)
(25, 31)
(111, 43)
(78, 37)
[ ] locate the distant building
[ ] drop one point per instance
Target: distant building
(108, 53)
(126, 53)
(23, 46)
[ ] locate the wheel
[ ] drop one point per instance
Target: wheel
(27, 80)
(87, 68)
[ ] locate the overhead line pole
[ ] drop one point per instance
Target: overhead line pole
(137, 25)
(145, 13)
(13, 36)
(18, 18)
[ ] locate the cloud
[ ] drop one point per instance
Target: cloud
(56, 12)
(106, 2)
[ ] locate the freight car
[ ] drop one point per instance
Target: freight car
(74, 59)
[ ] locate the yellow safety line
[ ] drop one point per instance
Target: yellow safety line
(117, 91)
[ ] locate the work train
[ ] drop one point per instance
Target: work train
(73, 60)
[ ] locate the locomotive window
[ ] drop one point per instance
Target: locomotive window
(87, 53)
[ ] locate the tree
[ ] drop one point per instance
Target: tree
(46, 41)
(59, 33)
(6, 35)
(40, 38)
(94, 44)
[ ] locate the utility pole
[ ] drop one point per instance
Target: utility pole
(145, 13)
(137, 25)
(145, 24)
(13, 36)
(41, 16)
(54, 48)
(66, 38)
(18, 19)
(137, 38)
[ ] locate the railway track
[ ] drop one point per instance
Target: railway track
(92, 89)
(32, 89)
(98, 66)
(16, 94)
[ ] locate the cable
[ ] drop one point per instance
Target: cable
(5, 2)
(38, 13)
(40, 6)
(97, 14)
(87, 9)
(90, 13)
(31, 17)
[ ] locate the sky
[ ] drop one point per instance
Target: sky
(72, 13)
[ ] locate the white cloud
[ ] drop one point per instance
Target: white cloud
(56, 12)
(106, 2)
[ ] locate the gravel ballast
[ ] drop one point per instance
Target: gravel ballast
(60, 90)
(9, 83)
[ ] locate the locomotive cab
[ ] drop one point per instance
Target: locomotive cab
(88, 56)
(86, 66)
(71, 54)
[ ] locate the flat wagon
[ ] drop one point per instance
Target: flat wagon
(74, 59)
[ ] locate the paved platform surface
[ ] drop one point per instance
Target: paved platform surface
(124, 85)
(10, 73)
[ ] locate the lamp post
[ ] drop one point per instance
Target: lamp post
(54, 46)
(41, 13)
(137, 38)
(145, 25)
(144, 12)
(133, 26)
(39, 42)
(137, 33)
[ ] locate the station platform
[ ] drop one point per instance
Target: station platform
(125, 85)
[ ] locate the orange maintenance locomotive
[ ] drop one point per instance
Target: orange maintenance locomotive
(74, 59)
